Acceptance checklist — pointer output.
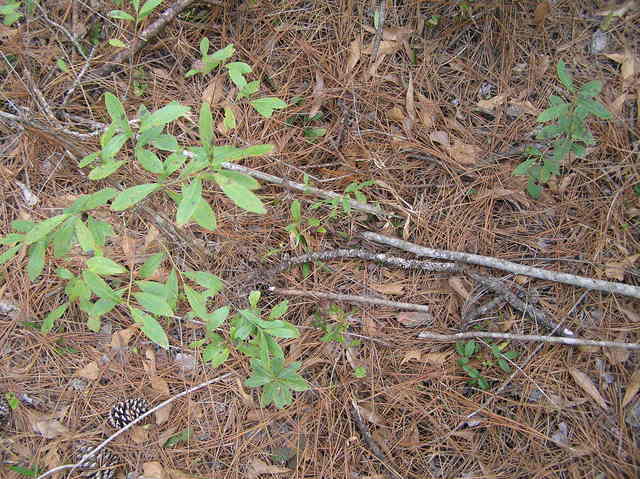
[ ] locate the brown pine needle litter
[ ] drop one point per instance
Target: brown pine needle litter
(430, 104)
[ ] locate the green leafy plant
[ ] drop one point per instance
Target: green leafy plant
(10, 12)
(352, 192)
(141, 12)
(569, 130)
(470, 360)
(333, 330)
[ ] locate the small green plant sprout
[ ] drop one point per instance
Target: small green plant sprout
(469, 360)
(141, 12)
(569, 130)
(10, 12)
(352, 192)
(334, 330)
(299, 226)
(236, 72)
(256, 337)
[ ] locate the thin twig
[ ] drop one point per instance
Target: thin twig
(147, 34)
(587, 283)
(366, 255)
(104, 443)
(71, 38)
(529, 338)
(378, 35)
(350, 299)
(539, 316)
(76, 82)
(488, 307)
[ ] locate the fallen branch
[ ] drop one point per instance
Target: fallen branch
(350, 299)
(539, 316)
(104, 443)
(587, 283)
(147, 34)
(529, 338)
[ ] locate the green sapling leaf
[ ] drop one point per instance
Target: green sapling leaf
(150, 327)
(564, 76)
(191, 197)
(131, 196)
(266, 106)
(119, 14)
(148, 8)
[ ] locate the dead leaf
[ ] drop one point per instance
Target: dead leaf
(139, 435)
(150, 363)
(491, 104)
(524, 106)
(214, 93)
(464, 154)
(128, 245)
(354, 54)
(50, 428)
(247, 399)
(618, 355)
(440, 137)
(393, 289)
(120, 339)
(411, 107)
(257, 467)
(411, 437)
(457, 284)
(153, 470)
(163, 414)
(630, 65)
(632, 388)
(151, 239)
(367, 413)
(352, 358)
(160, 385)
(540, 13)
(411, 355)
(414, 319)
(585, 383)
(91, 371)
(397, 114)
(317, 95)
(616, 270)
(437, 359)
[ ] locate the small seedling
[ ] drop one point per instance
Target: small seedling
(10, 12)
(469, 356)
(333, 331)
(140, 14)
(569, 130)
(352, 192)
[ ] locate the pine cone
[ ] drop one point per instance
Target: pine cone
(5, 411)
(101, 466)
(127, 411)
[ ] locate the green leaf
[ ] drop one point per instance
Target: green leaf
(579, 150)
(115, 109)
(121, 15)
(279, 309)
(105, 170)
(129, 197)
(552, 113)
(11, 239)
(191, 197)
(36, 259)
(150, 327)
(594, 107)
(155, 304)
(100, 230)
(229, 121)
(42, 229)
(205, 123)
(254, 297)
(64, 273)
(114, 145)
(173, 162)
(151, 265)
(241, 196)
(114, 42)
(550, 131)
(164, 115)
(209, 281)
(243, 180)
(313, 132)
(77, 289)
(296, 211)
(197, 302)
(92, 201)
(469, 348)
(171, 289)
(564, 76)
(99, 286)
(279, 328)
(9, 254)
(149, 161)
(216, 318)
(534, 189)
(62, 65)
(523, 168)
(104, 266)
(182, 436)
(504, 365)
(148, 7)
(266, 106)
(165, 142)
(483, 383)
(94, 323)
(561, 149)
(205, 216)
(101, 307)
(591, 89)
(237, 70)
(249, 89)
(204, 46)
(22, 226)
(215, 354)
(24, 471)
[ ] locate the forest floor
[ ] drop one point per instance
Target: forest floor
(430, 122)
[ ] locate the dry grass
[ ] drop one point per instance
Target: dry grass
(479, 207)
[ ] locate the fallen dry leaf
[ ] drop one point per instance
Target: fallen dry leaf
(616, 269)
(257, 467)
(367, 412)
(618, 355)
(50, 428)
(585, 383)
(411, 355)
(354, 54)
(414, 319)
(457, 284)
(440, 137)
(120, 339)
(153, 470)
(632, 388)
(91, 371)
(630, 65)
(437, 359)
(491, 104)
(317, 95)
(214, 93)
(128, 245)
(163, 414)
(524, 106)
(394, 289)
(160, 385)
(411, 107)
(540, 13)
(464, 154)
(397, 114)
(139, 435)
